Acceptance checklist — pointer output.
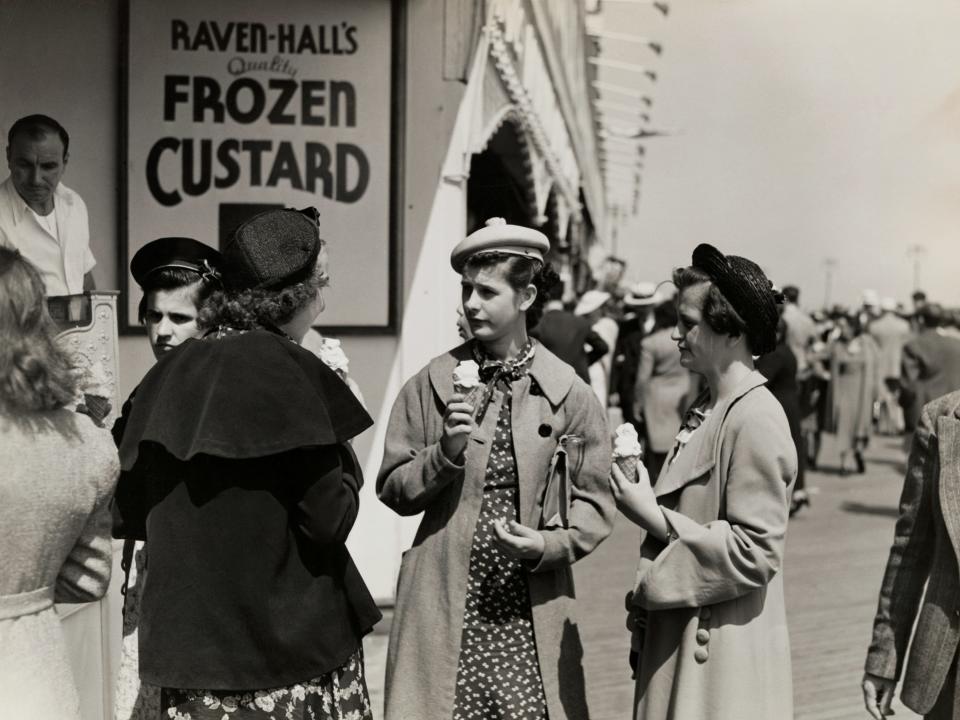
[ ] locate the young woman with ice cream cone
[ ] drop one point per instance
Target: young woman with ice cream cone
(484, 624)
(710, 628)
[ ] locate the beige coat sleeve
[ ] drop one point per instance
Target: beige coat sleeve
(85, 575)
(741, 552)
(592, 508)
(414, 469)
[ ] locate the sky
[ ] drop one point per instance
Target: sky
(803, 133)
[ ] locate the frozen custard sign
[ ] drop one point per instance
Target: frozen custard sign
(234, 107)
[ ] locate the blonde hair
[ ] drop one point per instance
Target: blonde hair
(35, 373)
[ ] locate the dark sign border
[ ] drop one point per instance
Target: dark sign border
(398, 39)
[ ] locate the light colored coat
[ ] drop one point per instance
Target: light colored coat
(59, 471)
(891, 334)
(925, 549)
(662, 389)
(716, 643)
(416, 477)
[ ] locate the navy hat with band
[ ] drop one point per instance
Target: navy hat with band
(175, 252)
(748, 290)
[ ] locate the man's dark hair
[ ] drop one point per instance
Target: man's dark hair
(791, 293)
(918, 295)
(35, 127)
(931, 315)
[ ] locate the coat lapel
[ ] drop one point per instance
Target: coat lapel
(701, 453)
(948, 438)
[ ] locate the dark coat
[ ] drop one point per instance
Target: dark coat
(925, 549)
(250, 583)
(779, 367)
(416, 477)
(930, 369)
(567, 335)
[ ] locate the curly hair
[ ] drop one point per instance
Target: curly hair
(259, 307)
(520, 272)
(717, 311)
(35, 373)
(172, 278)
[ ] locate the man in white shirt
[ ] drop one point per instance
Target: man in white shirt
(800, 328)
(39, 216)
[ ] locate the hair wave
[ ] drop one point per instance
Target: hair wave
(258, 307)
(35, 373)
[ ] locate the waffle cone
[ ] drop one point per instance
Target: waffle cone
(628, 466)
(471, 395)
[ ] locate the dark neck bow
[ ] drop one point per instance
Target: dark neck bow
(493, 371)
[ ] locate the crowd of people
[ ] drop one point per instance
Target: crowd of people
(842, 374)
(231, 478)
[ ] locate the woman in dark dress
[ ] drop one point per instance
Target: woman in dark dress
(484, 625)
(237, 470)
(779, 367)
(176, 275)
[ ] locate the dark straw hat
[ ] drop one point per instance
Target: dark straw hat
(748, 290)
(175, 252)
(272, 250)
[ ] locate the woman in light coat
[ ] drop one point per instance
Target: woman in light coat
(708, 608)
(663, 388)
(59, 471)
(484, 624)
(854, 384)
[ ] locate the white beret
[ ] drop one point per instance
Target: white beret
(499, 237)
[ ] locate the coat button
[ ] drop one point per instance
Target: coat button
(703, 636)
(701, 655)
(545, 430)
(705, 613)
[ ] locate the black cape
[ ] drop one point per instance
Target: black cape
(244, 395)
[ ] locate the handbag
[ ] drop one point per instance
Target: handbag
(563, 470)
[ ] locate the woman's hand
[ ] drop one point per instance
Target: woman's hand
(877, 695)
(518, 541)
(638, 502)
(458, 423)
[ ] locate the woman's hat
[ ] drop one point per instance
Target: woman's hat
(642, 294)
(499, 237)
(175, 252)
(591, 300)
(747, 289)
(272, 250)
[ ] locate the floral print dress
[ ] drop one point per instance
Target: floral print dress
(498, 675)
(338, 695)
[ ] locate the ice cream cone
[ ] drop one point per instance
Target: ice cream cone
(628, 466)
(471, 395)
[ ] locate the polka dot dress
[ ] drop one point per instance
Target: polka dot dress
(498, 677)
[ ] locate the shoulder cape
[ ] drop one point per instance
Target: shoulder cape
(242, 396)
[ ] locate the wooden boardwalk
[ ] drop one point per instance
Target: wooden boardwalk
(835, 557)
